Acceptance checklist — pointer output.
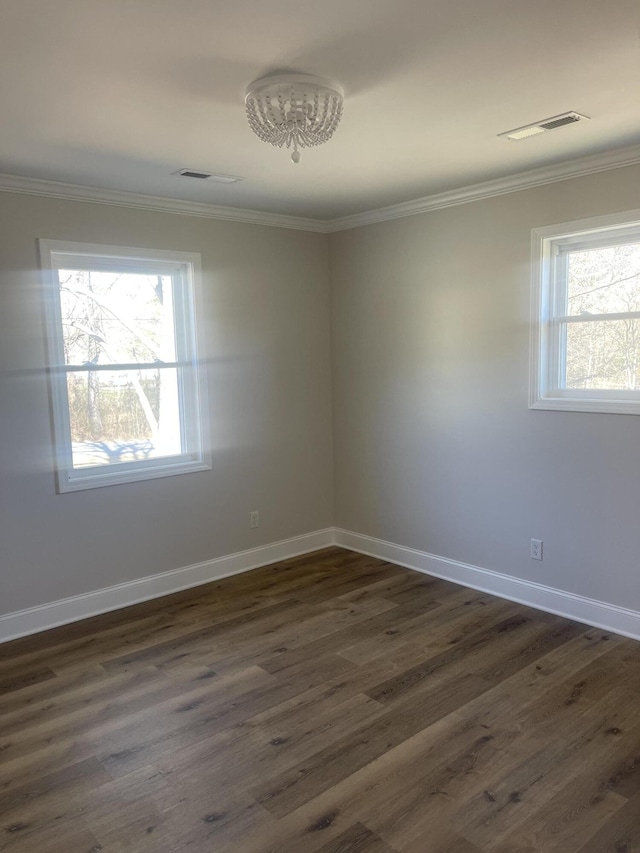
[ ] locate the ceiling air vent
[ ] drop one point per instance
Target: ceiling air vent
(543, 126)
(208, 176)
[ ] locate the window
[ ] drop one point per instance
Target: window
(585, 342)
(127, 397)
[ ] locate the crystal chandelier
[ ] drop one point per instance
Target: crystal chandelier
(295, 110)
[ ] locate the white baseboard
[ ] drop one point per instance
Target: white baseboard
(599, 614)
(44, 616)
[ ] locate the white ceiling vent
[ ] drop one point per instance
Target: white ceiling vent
(543, 126)
(208, 176)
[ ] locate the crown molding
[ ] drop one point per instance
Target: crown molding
(615, 159)
(119, 198)
(489, 189)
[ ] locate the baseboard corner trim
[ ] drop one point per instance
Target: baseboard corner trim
(597, 614)
(32, 620)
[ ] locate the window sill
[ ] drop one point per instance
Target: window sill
(565, 404)
(76, 482)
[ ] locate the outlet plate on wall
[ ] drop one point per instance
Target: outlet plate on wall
(254, 519)
(536, 549)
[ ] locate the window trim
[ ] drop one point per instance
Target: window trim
(544, 354)
(186, 264)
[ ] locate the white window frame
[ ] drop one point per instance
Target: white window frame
(185, 270)
(548, 295)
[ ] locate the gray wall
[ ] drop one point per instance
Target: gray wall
(266, 320)
(435, 448)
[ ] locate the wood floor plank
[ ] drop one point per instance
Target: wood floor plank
(449, 623)
(621, 833)
(432, 796)
(71, 836)
(331, 703)
(357, 839)
(492, 653)
(55, 798)
(302, 647)
(340, 759)
(20, 677)
(364, 794)
(541, 774)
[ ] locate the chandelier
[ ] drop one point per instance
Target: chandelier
(294, 110)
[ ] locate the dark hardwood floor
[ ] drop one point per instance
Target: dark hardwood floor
(332, 703)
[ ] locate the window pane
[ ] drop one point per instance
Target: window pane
(603, 355)
(605, 280)
(121, 416)
(116, 318)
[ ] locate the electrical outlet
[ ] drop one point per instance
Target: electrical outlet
(536, 549)
(254, 519)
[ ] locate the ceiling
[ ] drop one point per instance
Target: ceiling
(118, 94)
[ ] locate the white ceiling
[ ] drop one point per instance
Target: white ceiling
(119, 94)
